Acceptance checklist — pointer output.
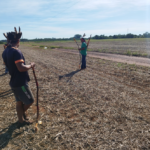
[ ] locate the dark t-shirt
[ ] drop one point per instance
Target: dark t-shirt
(11, 56)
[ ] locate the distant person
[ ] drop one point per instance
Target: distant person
(83, 51)
(6, 69)
(15, 62)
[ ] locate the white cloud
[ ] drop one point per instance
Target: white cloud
(64, 18)
(21, 7)
(84, 4)
(68, 19)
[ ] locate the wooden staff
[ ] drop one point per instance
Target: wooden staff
(37, 98)
(79, 53)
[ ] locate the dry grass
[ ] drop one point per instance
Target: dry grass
(105, 106)
(134, 47)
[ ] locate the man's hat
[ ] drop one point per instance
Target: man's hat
(13, 36)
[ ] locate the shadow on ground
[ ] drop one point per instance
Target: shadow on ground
(3, 74)
(69, 75)
(7, 135)
(6, 93)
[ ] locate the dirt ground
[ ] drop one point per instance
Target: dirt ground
(105, 106)
(113, 57)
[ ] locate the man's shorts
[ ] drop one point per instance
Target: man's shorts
(23, 94)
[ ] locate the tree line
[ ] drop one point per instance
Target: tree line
(78, 36)
(118, 36)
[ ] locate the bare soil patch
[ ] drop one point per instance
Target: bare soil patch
(105, 106)
(114, 57)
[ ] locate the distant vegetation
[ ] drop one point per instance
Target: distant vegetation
(121, 36)
(78, 36)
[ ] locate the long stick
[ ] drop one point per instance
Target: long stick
(36, 96)
(76, 43)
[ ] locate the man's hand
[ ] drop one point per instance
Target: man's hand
(80, 49)
(32, 64)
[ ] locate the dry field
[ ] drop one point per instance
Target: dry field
(106, 106)
(135, 47)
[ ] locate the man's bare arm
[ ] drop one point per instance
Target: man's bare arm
(22, 67)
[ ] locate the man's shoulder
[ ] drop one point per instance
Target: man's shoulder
(16, 50)
(84, 44)
(8, 48)
(12, 51)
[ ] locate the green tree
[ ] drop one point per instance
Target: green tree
(130, 35)
(77, 36)
(146, 35)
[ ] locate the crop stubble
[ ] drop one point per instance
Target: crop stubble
(105, 106)
(135, 46)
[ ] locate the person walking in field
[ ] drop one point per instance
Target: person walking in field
(83, 52)
(6, 69)
(18, 70)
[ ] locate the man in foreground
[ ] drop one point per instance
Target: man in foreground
(83, 52)
(15, 62)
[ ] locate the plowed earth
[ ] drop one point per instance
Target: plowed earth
(106, 106)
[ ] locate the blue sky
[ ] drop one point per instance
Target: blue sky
(65, 18)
